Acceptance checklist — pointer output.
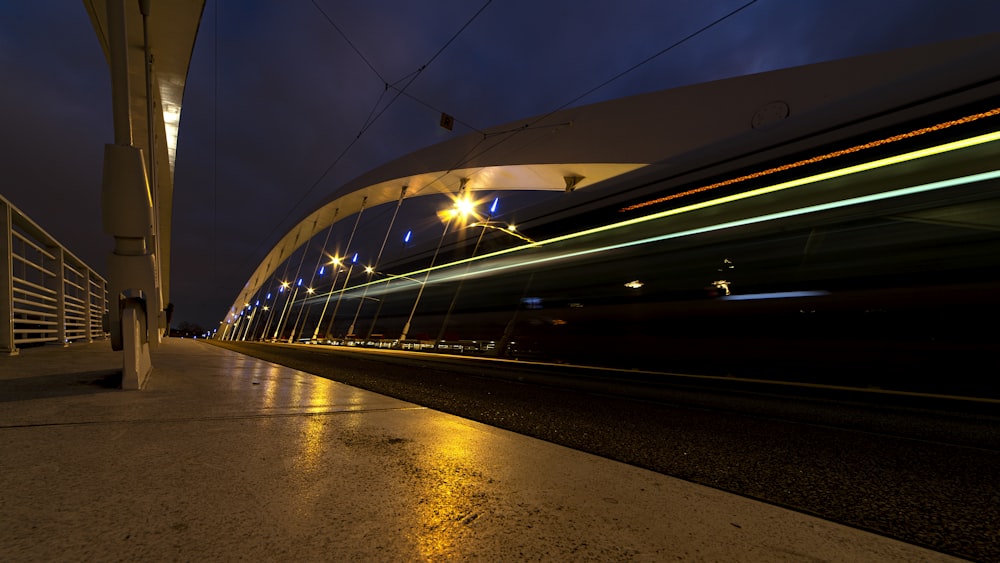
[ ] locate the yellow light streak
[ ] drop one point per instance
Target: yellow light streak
(807, 180)
(815, 159)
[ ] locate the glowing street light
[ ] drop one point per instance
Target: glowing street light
(462, 209)
(506, 228)
(333, 317)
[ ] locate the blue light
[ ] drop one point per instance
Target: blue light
(495, 206)
(268, 297)
(355, 259)
(322, 269)
(774, 295)
(257, 303)
(299, 282)
(281, 289)
(406, 237)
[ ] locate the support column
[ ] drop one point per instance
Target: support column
(127, 214)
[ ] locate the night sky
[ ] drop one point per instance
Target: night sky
(276, 96)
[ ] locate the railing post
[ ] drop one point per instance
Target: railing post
(60, 288)
(102, 298)
(88, 300)
(6, 282)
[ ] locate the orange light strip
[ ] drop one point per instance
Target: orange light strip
(815, 159)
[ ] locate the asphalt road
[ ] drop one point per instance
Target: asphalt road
(925, 471)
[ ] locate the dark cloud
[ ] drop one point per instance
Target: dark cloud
(277, 98)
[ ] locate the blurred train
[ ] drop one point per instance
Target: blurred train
(870, 258)
(857, 243)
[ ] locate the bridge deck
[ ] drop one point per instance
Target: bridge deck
(224, 457)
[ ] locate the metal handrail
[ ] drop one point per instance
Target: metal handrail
(47, 294)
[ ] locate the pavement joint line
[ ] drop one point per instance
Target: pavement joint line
(208, 418)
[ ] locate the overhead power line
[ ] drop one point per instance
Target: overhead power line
(675, 44)
(372, 116)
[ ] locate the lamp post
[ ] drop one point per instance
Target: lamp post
(281, 289)
(370, 270)
(333, 283)
(295, 327)
(487, 224)
(461, 281)
(333, 317)
(287, 308)
(462, 208)
(378, 310)
(265, 308)
(278, 291)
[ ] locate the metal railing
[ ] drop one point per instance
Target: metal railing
(48, 294)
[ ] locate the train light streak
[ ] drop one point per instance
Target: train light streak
(945, 148)
(872, 165)
(902, 192)
(815, 159)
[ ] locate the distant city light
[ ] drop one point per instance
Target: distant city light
(634, 284)
(723, 285)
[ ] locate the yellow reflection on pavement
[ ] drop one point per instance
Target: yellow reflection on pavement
(450, 497)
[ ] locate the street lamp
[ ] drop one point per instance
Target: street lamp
(371, 273)
(333, 317)
(462, 208)
(370, 270)
(283, 289)
(510, 229)
(336, 263)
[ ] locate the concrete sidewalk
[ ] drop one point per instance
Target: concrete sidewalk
(225, 457)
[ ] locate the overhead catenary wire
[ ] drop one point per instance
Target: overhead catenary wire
(571, 101)
(344, 36)
(472, 154)
(409, 78)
